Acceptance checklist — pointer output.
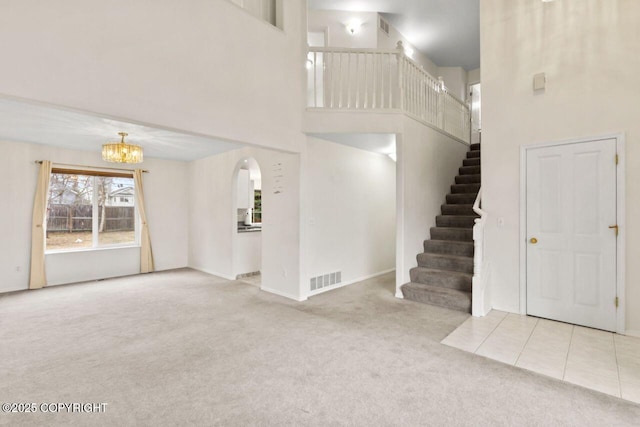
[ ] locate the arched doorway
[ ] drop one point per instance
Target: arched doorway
(247, 227)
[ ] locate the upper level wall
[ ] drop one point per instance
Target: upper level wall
(473, 76)
(202, 66)
(368, 36)
(391, 41)
(334, 23)
(455, 79)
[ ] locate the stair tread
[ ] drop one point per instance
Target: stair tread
(459, 234)
(453, 242)
(468, 179)
(443, 272)
(438, 289)
(457, 257)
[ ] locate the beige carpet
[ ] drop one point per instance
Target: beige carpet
(185, 348)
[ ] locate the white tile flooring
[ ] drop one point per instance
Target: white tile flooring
(602, 361)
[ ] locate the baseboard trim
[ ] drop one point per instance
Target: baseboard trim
(213, 273)
(17, 289)
(350, 282)
(282, 294)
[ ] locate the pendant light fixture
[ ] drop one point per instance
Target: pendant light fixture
(121, 152)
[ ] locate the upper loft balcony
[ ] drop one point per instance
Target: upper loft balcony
(358, 62)
(378, 80)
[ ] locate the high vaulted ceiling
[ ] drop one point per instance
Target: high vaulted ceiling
(447, 31)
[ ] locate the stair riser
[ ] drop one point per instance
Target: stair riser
(465, 188)
(468, 179)
(475, 147)
(461, 283)
(471, 162)
(460, 235)
(426, 297)
(457, 210)
(448, 248)
(461, 199)
(473, 154)
(469, 170)
(444, 263)
(455, 221)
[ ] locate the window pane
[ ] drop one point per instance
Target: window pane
(70, 212)
(116, 211)
(257, 206)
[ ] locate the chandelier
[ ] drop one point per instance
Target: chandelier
(121, 152)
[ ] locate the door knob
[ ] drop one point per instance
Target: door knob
(533, 241)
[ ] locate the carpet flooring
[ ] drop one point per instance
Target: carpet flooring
(186, 348)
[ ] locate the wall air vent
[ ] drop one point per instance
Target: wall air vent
(383, 25)
(325, 280)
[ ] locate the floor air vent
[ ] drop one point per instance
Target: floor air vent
(325, 280)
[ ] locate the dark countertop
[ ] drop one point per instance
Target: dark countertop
(249, 228)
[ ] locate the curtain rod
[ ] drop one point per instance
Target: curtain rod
(94, 167)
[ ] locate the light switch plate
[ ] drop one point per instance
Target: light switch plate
(539, 81)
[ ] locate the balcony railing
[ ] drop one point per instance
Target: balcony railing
(382, 80)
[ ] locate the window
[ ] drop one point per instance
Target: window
(257, 206)
(266, 10)
(82, 213)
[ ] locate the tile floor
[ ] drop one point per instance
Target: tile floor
(602, 361)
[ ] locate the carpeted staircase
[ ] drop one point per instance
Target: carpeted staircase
(445, 268)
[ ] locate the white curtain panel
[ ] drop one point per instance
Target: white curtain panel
(146, 255)
(38, 276)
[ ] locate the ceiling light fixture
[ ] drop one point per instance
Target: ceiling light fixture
(121, 152)
(353, 26)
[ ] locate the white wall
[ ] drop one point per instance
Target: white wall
(473, 76)
(589, 52)
(428, 162)
(455, 79)
(369, 35)
(213, 218)
(334, 23)
(182, 65)
(166, 202)
(391, 41)
(248, 254)
(350, 208)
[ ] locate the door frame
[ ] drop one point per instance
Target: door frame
(620, 213)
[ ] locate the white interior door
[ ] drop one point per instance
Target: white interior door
(571, 251)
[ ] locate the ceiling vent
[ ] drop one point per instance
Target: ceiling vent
(383, 25)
